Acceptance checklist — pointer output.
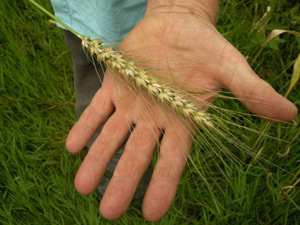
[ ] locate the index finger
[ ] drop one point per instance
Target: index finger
(173, 155)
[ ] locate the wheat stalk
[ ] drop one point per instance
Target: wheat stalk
(128, 70)
(139, 76)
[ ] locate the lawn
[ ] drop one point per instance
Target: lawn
(37, 111)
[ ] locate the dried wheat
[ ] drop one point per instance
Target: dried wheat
(156, 88)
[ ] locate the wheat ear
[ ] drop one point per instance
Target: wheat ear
(139, 76)
(127, 68)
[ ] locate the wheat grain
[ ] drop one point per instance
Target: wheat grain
(139, 76)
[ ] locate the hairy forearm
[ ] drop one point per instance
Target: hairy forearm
(203, 8)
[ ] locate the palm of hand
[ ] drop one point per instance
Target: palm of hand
(176, 43)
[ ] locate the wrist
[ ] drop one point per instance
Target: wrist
(206, 9)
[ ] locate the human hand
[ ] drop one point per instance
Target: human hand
(177, 41)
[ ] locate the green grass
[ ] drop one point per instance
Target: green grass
(36, 113)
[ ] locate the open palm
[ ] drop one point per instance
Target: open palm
(188, 50)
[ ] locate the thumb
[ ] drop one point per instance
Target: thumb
(256, 94)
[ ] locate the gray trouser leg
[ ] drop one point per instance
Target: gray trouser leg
(86, 83)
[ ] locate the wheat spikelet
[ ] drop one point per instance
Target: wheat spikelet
(156, 88)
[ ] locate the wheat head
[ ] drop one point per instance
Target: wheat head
(139, 76)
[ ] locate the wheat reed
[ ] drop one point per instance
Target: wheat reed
(139, 76)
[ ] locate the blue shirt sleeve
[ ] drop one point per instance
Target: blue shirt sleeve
(109, 20)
